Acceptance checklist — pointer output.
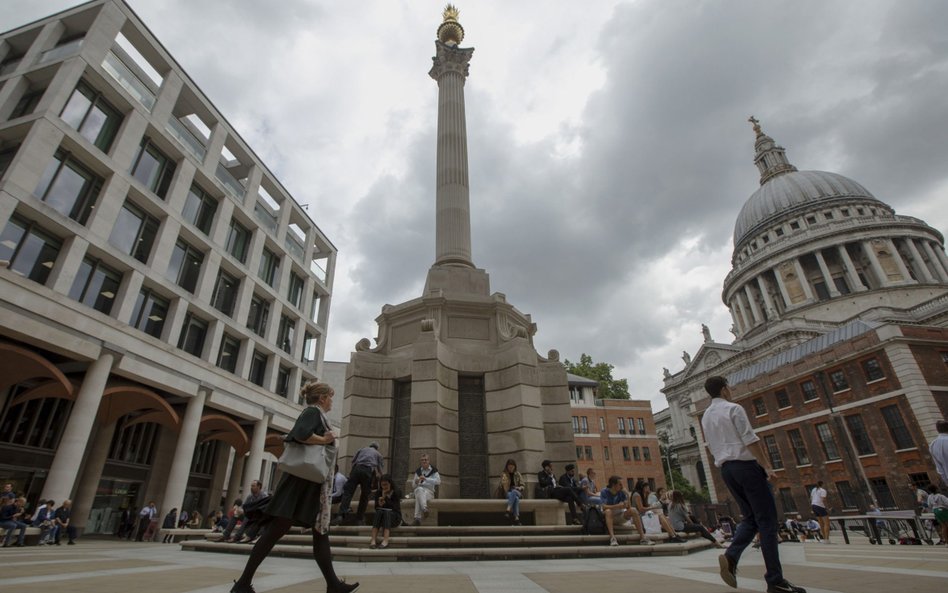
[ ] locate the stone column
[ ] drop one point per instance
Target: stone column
(783, 290)
(91, 475)
(453, 211)
(755, 310)
(236, 475)
(72, 446)
(804, 281)
(874, 263)
(899, 262)
(217, 479)
(768, 302)
(827, 277)
(177, 482)
(940, 255)
(742, 311)
(920, 264)
(937, 263)
(850, 268)
(257, 443)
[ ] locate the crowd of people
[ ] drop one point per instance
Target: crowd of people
(52, 521)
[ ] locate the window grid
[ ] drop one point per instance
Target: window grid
(899, 432)
(29, 250)
(873, 369)
(773, 451)
(69, 187)
(809, 390)
(783, 400)
(134, 232)
(153, 168)
(798, 446)
(838, 380)
(95, 285)
(857, 428)
(827, 441)
(93, 117)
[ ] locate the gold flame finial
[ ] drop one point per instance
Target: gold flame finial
(450, 32)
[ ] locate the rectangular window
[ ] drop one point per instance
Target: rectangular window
(238, 240)
(605, 453)
(589, 453)
(6, 157)
(93, 117)
(199, 209)
(193, 333)
(150, 313)
(28, 250)
(285, 334)
(295, 292)
(799, 447)
(314, 309)
(621, 422)
(786, 501)
(847, 496)
(773, 451)
(225, 293)
(185, 266)
(585, 424)
(646, 454)
(857, 428)
(809, 390)
(897, 428)
(259, 314)
(68, 187)
(575, 424)
(95, 285)
(625, 454)
(883, 494)
(579, 452)
(783, 400)
(602, 424)
(258, 368)
(27, 103)
(153, 168)
(838, 380)
(283, 381)
(269, 264)
(635, 454)
(134, 232)
(641, 425)
(873, 369)
(828, 441)
(227, 357)
(760, 409)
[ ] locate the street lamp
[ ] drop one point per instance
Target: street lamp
(668, 460)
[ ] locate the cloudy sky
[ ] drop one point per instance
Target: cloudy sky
(608, 142)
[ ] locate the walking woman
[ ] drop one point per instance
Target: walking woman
(301, 502)
(511, 486)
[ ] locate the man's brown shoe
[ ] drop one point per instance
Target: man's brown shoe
(728, 570)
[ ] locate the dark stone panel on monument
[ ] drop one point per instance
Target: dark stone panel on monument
(472, 438)
(401, 432)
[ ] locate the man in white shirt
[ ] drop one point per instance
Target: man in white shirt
(338, 483)
(746, 470)
(425, 481)
(939, 450)
(820, 510)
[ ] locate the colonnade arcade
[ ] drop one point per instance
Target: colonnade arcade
(76, 430)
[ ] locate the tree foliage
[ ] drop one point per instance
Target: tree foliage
(675, 479)
(609, 388)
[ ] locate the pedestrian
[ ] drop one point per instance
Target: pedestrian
(746, 470)
(820, 510)
(939, 451)
(299, 501)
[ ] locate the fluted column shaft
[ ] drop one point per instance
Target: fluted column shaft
(940, 270)
(768, 302)
(755, 311)
(919, 262)
(874, 263)
(827, 277)
(850, 268)
(453, 210)
(899, 262)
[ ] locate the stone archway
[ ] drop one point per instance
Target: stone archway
(18, 365)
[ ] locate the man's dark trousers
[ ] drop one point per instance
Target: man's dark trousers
(748, 484)
(361, 477)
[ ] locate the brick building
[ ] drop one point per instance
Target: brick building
(614, 437)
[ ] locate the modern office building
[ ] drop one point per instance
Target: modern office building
(615, 437)
(840, 355)
(162, 295)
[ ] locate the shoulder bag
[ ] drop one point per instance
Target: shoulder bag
(310, 462)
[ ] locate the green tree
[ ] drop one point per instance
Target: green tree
(673, 476)
(609, 388)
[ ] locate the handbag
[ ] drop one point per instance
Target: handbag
(310, 462)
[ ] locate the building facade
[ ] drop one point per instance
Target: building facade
(162, 296)
(840, 309)
(615, 437)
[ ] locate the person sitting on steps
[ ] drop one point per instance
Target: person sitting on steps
(615, 503)
(511, 488)
(547, 487)
(425, 481)
(388, 512)
(640, 495)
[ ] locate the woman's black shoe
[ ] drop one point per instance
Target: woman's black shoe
(238, 588)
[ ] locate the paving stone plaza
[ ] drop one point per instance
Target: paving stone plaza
(109, 566)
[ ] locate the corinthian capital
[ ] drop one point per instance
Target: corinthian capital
(450, 59)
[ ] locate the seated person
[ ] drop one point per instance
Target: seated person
(11, 519)
(590, 490)
(812, 528)
(938, 503)
(511, 488)
(169, 523)
(681, 521)
(425, 481)
(252, 512)
(338, 483)
(63, 523)
(43, 520)
(388, 512)
(639, 496)
(547, 487)
(195, 521)
(615, 503)
(795, 527)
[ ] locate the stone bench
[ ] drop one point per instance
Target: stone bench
(184, 533)
(444, 511)
(32, 535)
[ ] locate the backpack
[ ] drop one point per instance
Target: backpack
(594, 523)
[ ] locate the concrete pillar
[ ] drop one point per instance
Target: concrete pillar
(899, 262)
(941, 257)
(755, 310)
(919, 262)
(941, 270)
(177, 481)
(162, 458)
(742, 312)
(72, 446)
(850, 268)
(255, 458)
(768, 302)
(783, 290)
(236, 475)
(874, 263)
(804, 282)
(827, 277)
(217, 478)
(91, 475)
